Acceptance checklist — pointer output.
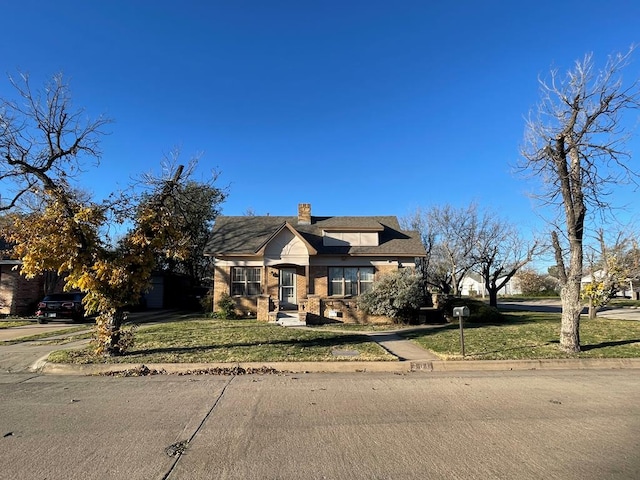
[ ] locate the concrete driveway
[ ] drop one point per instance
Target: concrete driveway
(35, 329)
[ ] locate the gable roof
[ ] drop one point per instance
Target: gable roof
(286, 226)
(246, 235)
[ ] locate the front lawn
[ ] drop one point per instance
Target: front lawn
(196, 341)
(527, 335)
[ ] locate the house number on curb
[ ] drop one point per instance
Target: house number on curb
(460, 313)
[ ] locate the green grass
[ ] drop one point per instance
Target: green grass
(14, 323)
(525, 298)
(624, 302)
(196, 341)
(527, 335)
(66, 335)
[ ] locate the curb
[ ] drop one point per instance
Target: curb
(401, 367)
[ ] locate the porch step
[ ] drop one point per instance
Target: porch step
(289, 319)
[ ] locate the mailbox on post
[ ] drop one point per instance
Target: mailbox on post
(460, 313)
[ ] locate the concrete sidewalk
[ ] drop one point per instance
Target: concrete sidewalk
(401, 347)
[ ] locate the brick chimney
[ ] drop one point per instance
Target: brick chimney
(304, 214)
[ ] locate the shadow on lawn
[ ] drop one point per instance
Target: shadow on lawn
(507, 320)
(342, 340)
(616, 343)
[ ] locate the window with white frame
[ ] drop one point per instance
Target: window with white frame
(350, 281)
(245, 281)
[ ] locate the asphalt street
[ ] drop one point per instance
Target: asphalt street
(515, 423)
(486, 425)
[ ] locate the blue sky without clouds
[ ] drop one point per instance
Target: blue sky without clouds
(357, 107)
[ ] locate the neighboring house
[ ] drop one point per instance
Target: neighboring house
(472, 285)
(313, 266)
(18, 295)
(631, 288)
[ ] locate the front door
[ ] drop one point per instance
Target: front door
(288, 288)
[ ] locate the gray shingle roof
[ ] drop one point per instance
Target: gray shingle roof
(245, 235)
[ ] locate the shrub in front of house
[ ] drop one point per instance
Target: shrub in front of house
(397, 295)
(226, 307)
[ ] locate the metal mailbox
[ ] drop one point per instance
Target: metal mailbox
(460, 311)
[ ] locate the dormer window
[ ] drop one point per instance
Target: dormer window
(351, 238)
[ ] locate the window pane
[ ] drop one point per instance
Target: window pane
(366, 279)
(335, 274)
(351, 274)
(254, 275)
(245, 281)
(335, 281)
(365, 287)
(238, 274)
(366, 274)
(254, 288)
(350, 281)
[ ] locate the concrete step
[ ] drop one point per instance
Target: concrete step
(289, 319)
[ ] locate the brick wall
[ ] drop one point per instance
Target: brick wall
(18, 295)
(271, 282)
(244, 305)
(221, 276)
(318, 281)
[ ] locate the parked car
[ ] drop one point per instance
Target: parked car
(61, 306)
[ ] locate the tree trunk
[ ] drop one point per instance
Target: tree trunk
(493, 297)
(50, 281)
(113, 327)
(593, 311)
(571, 308)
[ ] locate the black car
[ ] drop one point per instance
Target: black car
(61, 306)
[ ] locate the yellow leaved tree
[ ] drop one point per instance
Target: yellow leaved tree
(53, 227)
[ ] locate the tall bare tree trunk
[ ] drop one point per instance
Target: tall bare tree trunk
(570, 324)
(570, 291)
(576, 145)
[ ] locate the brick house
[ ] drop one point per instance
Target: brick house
(18, 295)
(307, 267)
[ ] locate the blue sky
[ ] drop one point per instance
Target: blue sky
(357, 107)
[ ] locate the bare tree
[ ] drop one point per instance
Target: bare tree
(44, 142)
(417, 221)
(449, 235)
(500, 253)
(575, 146)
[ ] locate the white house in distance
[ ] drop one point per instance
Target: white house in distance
(631, 288)
(473, 286)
